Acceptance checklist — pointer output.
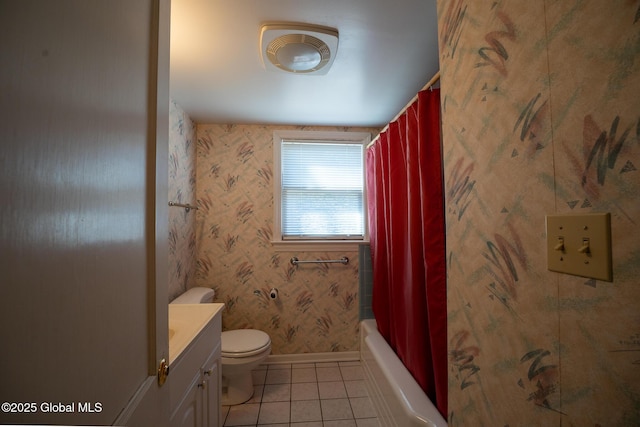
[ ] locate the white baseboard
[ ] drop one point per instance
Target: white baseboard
(334, 356)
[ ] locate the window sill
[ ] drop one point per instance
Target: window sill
(317, 245)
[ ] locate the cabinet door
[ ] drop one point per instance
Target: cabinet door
(83, 233)
(190, 412)
(212, 378)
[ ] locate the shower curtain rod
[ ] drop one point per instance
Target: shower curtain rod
(431, 82)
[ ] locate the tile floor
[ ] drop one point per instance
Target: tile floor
(328, 394)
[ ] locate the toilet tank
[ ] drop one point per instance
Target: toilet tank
(195, 295)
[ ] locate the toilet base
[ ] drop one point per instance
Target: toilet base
(237, 378)
(236, 389)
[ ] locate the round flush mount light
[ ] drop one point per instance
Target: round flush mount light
(298, 49)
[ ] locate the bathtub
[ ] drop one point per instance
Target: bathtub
(397, 397)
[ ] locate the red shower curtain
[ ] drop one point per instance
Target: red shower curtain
(406, 227)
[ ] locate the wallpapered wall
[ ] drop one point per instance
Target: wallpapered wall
(317, 308)
(182, 189)
(541, 115)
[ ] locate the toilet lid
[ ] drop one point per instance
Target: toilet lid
(244, 342)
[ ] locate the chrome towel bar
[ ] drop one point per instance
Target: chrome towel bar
(344, 260)
(186, 207)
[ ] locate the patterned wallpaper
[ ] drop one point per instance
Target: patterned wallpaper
(182, 189)
(541, 115)
(317, 308)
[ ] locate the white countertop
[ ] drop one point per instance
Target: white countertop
(185, 323)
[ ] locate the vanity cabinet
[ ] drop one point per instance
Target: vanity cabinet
(195, 380)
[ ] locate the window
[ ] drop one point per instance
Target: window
(319, 188)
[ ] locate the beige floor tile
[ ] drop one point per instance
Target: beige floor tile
(332, 390)
(326, 364)
(368, 422)
(274, 412)
(336, 409)
(329, 374)
(303, 375)
(242, 415)
(324, 394)
(356, 388)
(340, 423)
(305, 410)
(362, 407)
(276, 393)
(278, 376)
(304, 391)
(350, 373)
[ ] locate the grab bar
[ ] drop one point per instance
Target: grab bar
(181, 205)
(344, 260)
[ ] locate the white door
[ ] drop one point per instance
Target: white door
(83, 132)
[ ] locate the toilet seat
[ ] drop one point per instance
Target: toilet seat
(241, 343)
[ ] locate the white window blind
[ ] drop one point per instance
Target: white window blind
(322, 186)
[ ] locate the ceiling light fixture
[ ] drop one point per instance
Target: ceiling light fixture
(298, 48)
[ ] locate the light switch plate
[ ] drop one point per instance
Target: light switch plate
(567, 238)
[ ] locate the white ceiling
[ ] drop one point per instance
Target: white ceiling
(387, 51)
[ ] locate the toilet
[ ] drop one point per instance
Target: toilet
(242, 351)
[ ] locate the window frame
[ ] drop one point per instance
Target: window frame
(314, 136)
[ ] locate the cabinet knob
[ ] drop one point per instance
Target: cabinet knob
(208, 371)
(203, 385)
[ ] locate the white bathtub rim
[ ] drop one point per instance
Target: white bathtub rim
(415, 403)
